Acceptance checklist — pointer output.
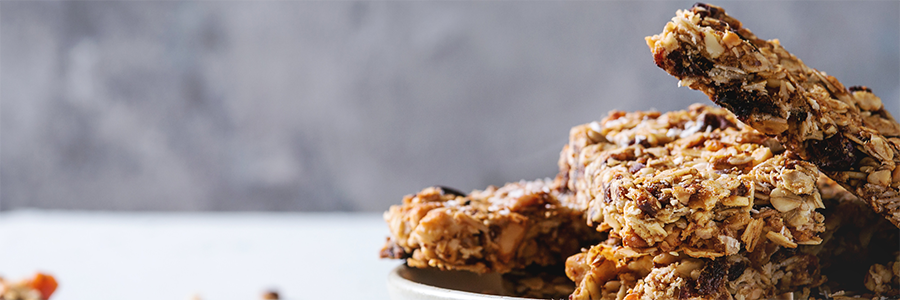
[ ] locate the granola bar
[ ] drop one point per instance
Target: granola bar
(588, 142)
(838, 268)
(707, 186)
(494, 230)
(847, 133)
(609, 271)
(621, 129)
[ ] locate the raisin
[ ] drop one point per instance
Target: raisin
(712, 277)
(635, 167)
(736, 270)
(716, 121)
(741, 189)
(647, 204)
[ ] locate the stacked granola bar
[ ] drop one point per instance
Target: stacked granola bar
(702, 203)
(855, 260)
(493, 230)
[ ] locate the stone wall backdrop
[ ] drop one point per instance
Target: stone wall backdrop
(346, 105)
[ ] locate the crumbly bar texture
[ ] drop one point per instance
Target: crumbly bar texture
(706, 186)
(610, 271)
(857, 259)
(847, 133)
(587, 142)
(494, 230)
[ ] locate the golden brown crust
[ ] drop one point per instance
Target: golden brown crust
(847, 133)
(608, 271)
(494, 230)
(857, 259)
(699, 183)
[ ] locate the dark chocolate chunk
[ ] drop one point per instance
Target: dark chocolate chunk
(743, 103)
(684, 65)
(835, 153)
(857, 88)
(450, 191)
(705, 10)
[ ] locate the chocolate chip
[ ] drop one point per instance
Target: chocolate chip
(684, 65)
(857, 88)
(743, 103)
(835, 153)
(705, 10)
(798, 116)
(450, 191)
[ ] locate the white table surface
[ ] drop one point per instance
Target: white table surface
(218, 256)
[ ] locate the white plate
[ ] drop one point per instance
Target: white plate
(405, 283)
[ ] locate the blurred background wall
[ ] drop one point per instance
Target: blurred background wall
(345, 105)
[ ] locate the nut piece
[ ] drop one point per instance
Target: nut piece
(712, 45)
(752, 233)
(878, 147)
(731, 39)
(882, 177)
(867, 100)
(784, 200)
(798, 182)
(878, 279)
(780, 239)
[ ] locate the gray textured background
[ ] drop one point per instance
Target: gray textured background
(312, 106)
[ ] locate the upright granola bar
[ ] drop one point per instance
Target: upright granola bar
(706, 186)
(847, 133)
(494, 230)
